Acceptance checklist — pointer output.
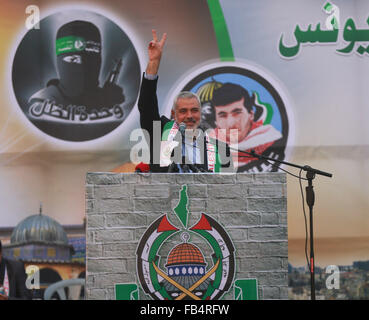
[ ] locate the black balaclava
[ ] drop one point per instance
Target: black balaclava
(78, 50)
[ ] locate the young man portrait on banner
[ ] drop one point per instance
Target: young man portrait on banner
(233, 108)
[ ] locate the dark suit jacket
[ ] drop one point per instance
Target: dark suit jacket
(17, 280)
(149, 112)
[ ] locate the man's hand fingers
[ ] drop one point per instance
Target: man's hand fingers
(163, 39)
(155, 39)
(154, 36)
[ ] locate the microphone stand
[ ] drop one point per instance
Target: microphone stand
(184, 166)
(172, 168)
(193, 168)
(310, 200)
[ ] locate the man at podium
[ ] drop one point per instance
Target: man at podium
(198, 152)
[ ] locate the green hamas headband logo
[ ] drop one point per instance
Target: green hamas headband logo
(200, 267)
(70, 44)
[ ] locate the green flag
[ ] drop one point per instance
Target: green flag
(181, 208)
(246, 289)
(126, 291)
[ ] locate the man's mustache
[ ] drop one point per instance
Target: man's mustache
(190, 120)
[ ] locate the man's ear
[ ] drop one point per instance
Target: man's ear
(252, 115)
(172, 113)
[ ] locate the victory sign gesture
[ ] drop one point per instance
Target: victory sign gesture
(155, 50)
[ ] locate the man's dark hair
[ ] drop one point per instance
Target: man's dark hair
(231, 92)
(0, 247)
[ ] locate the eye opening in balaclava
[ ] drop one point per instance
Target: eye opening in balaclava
(78, 51)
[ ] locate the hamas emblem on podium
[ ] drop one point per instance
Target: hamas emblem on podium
(198, 262)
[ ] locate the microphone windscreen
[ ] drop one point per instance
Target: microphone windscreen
(142, 167)
(182, 128)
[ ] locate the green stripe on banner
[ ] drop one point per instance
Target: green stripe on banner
(221, 31)
(246, 289)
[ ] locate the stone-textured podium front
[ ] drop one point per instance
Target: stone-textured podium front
(251, 207)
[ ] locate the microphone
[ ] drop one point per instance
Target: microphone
(182, 128)
(193, 168)
(142, 168)
(202, 168)
(184, 166)
(172, 168)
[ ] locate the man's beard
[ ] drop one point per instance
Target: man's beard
(191, 123)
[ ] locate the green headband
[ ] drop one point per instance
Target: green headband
(75, 44)
(70, 44)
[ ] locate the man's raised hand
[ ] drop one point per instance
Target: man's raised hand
(156, 47)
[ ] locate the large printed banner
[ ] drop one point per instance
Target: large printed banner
(287, 76)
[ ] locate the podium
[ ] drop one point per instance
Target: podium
(156, 236)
